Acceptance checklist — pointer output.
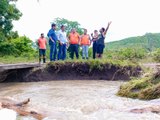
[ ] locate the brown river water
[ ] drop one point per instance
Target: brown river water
(78, 100)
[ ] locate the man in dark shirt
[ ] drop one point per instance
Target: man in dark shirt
(101, 42)
(52, 42)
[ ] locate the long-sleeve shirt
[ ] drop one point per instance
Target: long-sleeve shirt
(53, 35)
(62, 36)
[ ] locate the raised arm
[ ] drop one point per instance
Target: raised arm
(109, 23)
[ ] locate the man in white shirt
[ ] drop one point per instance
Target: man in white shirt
(62, 38)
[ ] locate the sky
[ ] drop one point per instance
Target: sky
(129, 17)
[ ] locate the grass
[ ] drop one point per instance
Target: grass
(12, 60)
(146, 88)
(98, 63)
(152, 92)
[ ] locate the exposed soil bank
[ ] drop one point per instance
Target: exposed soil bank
(79, 70)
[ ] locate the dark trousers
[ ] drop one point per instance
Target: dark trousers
(94, 50)
(62, 52)
(42, 55)
(74, 49)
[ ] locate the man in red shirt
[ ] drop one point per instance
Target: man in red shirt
(42, 42)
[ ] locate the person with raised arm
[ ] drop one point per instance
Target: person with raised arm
(100, 41)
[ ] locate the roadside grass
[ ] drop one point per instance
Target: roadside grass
(19, 59)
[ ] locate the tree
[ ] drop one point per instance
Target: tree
(69, 24)
(8, 13)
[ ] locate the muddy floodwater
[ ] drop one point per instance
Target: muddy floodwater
(78, 100)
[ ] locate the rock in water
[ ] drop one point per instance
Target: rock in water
(7, 114)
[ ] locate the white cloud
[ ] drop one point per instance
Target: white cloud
(129, 17)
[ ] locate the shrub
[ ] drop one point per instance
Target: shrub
(126, 53)
(156, 55)
(16, 47)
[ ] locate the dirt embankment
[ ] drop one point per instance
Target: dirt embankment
(89, 70)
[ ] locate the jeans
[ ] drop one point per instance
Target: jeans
(74, 49)
(55, 54)
(52, 51)
(94, 49)
(85, 51)
(62, 52)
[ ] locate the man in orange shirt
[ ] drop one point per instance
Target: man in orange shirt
(74, 40)
(85, 43)
(42, 42)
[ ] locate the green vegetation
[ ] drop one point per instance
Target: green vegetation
(149, 42)
(146, 88)
(20, 59)
(8, 12)
(126, 53)
(138, 49)
(100, 62)
(156, 55)
(141, 49)
(16, 47)
(18, 50)
(12, 47)
(69, 24)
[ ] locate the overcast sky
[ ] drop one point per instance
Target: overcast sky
(129, 17)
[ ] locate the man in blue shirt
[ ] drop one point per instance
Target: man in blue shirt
(52, 42)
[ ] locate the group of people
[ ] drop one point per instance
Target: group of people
(73, 40)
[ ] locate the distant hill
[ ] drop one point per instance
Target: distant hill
(149, 41)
